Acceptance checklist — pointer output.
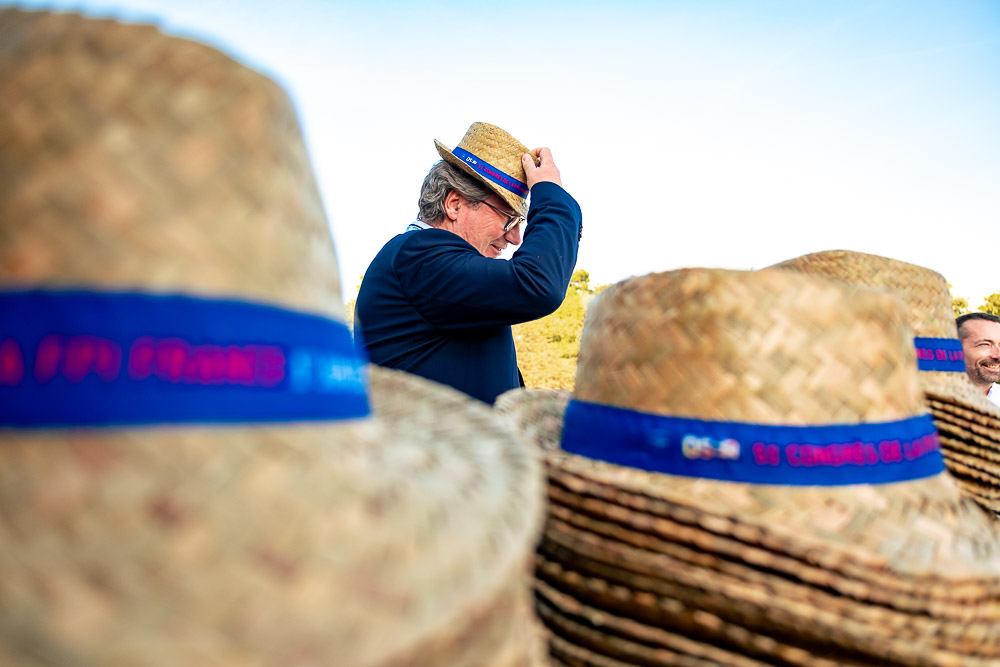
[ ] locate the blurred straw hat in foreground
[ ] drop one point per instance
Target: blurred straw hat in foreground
(192, 468)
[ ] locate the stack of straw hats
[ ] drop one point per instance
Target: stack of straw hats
(969, 424)
(746, 474)
(192, 468)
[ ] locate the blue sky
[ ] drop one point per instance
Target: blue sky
(723, 133)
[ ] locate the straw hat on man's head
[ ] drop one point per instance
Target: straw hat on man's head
(746, 466)
(492, 156)
(193, 470)
(968, 422)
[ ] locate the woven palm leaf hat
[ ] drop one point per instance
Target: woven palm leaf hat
(746, 472)
(491, 155)
(969, 424)
(195, 469)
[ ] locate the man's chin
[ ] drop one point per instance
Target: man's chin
(989, 375)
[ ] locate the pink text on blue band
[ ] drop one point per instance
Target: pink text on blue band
(491, 173)
(824, 455)
(940, 354)
(70, 358)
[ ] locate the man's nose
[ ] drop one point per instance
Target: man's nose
(513, 235)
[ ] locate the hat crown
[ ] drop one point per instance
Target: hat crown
(767, 347)
(500, 152)
(496, 146)
(134, 160)
(924, 292)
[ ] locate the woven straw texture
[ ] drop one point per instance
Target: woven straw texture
(917, 537)
(903, 573)
(728, 346)
(128, 158)
(131, 160)
(359, 545)
(648, 641)
(501, 150)
(927, 300)
(786, 609)
(924, 292)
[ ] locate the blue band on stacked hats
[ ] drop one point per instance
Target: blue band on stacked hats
(85, 358)
(828, 455)
(940, 354)
(491, 173)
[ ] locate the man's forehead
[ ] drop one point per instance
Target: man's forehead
(978, 328)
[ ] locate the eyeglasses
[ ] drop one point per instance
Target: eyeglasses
(512, 218)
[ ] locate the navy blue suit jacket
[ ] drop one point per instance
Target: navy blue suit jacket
(431, 305)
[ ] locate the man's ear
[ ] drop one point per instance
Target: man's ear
(452, 202)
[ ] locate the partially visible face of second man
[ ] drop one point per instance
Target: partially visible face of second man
(981, 346)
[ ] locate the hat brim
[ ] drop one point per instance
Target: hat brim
(865, 569)
(581, 629)
(849, 529)
(519, 204)
(639, 591)
(956, 389)
(969, 425)
(364, 540)
(644, 613)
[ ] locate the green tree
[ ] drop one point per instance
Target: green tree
(580, 281)
(547, 348)
(958, 304)
(992, 304)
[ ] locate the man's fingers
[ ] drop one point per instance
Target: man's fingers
(539, 166)
(528, 162)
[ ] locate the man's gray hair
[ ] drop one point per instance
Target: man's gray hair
(440, 180)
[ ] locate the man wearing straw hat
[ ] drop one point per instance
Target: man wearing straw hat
(434, 303)
(980, 336)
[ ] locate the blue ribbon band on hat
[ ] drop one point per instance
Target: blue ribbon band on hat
(84, 358)
(491, 173)
(829, 455)
(940, 354)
